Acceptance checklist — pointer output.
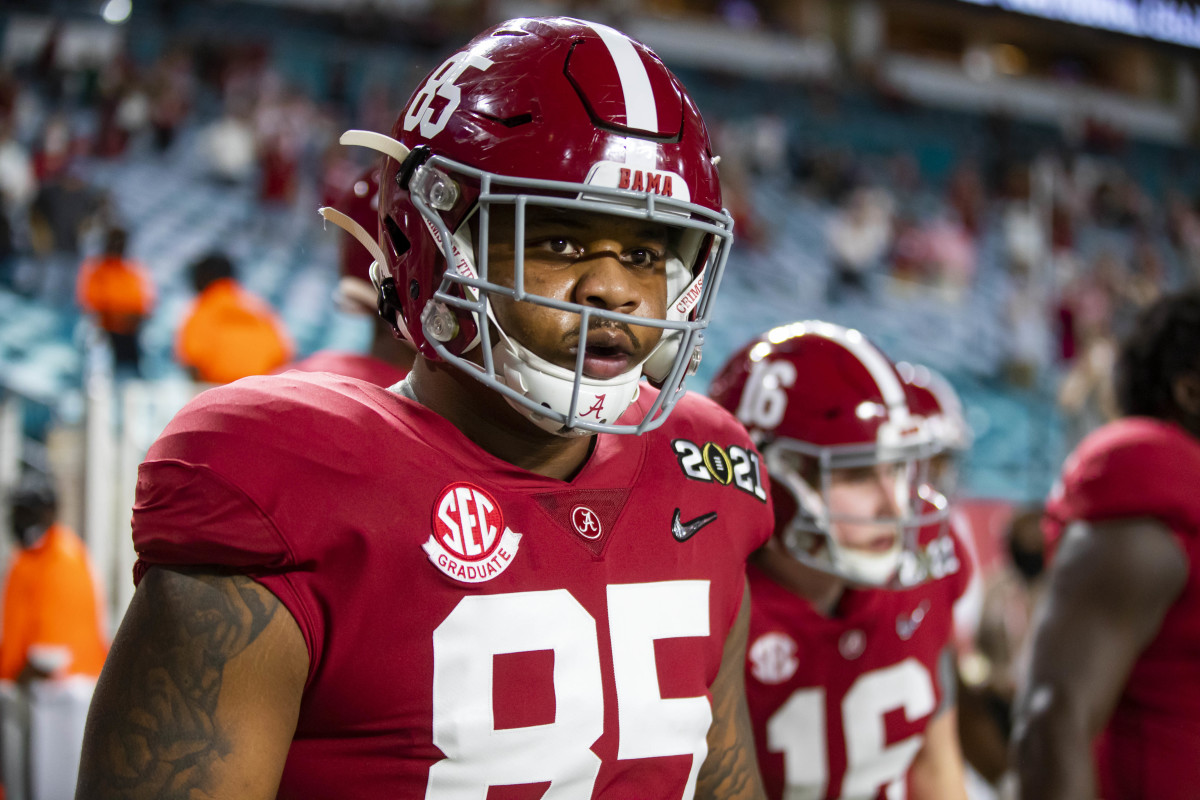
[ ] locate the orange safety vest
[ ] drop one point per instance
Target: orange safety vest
(230, 334)
(118, 291)
(51, 600)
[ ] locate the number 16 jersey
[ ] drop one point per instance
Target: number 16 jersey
(840, 703)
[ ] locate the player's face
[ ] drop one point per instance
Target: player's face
(859, 494)
(594, 260)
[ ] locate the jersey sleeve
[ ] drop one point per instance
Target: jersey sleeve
(230, 483)
(706, 420)
(1130, 468)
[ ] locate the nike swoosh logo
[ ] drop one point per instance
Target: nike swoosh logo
(682, 531)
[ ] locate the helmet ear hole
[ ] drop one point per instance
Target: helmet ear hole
(399, 242)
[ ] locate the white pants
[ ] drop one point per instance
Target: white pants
(41, 735)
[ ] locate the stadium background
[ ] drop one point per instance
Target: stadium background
(1038, 170)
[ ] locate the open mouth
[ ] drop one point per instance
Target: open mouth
(608, 353)
(880, 544)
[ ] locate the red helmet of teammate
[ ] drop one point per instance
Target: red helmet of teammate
(355, 293)
(549, 112)
(819, 397)
(934, 399)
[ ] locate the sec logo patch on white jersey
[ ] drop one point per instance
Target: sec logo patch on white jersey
(470, 542)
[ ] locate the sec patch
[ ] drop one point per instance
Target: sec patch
(470, 541)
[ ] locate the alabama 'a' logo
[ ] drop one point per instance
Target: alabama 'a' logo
(470, 542)
(596, 408)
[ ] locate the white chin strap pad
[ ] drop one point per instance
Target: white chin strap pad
(684, 292)
(551, 386)
(870, 569)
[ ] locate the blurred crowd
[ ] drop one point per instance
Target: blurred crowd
(1079, 240)
(1082, 242)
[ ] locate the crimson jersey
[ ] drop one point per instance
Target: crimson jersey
(353, 365)
(469, 624)
(1140, 467)
(840, 704)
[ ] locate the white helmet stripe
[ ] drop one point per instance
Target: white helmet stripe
(869, 356)
(641, 111)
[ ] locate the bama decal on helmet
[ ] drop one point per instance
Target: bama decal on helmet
(441, 83)
(470, 542)
(615, 175)
(731, 465)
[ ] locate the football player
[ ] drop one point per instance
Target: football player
(390, 356)
(849, 670)
(477, 584)
(1116, 643)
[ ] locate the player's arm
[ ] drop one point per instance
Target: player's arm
(200, 693)
(937, 771)
(1110, 587)
(731, 770)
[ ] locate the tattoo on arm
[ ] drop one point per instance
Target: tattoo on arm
(731, 770)
(153, 731)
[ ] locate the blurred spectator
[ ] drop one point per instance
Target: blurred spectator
(170, 96)
(62, 212)
(51, 621)
(965, 195)
(1085, 395)
(18, 182)
(951, 252)
(54, 152)
(991, 676)
(123, 110)
(120, 293)
(859, 234)
(1028, 339)
(1147, 279)
(52, 649)
(229, 147)
(228, 333)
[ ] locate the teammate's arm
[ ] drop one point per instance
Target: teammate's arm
(1111, 585)
(937, 772)
(731, 770)
(200, 693)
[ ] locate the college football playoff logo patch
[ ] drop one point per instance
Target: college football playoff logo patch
(724, 466)
(469, 541)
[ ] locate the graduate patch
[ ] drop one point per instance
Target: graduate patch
(469, 541)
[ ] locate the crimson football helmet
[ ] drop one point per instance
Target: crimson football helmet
(933, 398)
(819, 397)
(355, 292)
(544, 112)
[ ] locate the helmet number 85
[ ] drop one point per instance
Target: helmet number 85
(442, 84)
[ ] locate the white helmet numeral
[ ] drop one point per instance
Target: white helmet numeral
(765, 399)
(441, 84)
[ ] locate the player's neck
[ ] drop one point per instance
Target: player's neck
(822, 590)
(386, 347)
(486, 418)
